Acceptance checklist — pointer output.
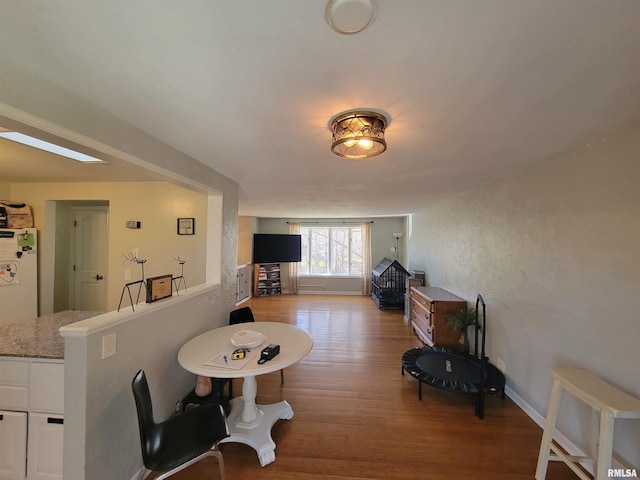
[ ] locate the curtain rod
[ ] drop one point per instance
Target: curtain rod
(355, 222)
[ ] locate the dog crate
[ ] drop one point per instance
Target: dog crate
(388, 284)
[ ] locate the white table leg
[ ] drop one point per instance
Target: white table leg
(549, 430)
(250, 414)
(251, 424)
(605, 445)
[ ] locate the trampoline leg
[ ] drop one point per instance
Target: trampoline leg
(419, 390)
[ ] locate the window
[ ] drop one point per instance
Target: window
(331, 251)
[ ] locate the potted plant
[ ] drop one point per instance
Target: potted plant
(462, 319)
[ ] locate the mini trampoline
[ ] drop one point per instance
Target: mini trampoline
(469, 374)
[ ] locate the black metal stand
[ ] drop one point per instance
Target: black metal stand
(127, 286)
(180, 280)
(134, 259)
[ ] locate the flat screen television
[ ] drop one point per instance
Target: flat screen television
(276, 248)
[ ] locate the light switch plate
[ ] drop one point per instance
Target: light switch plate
(108, 345)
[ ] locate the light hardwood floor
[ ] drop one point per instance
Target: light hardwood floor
(357, 417)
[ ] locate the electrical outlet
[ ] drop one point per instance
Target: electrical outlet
(500, 365)
(108, 345)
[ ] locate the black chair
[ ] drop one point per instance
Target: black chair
(244, 315)
(182, 439)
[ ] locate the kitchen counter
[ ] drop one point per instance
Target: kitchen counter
(39, 337)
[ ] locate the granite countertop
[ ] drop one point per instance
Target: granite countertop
(39, 337)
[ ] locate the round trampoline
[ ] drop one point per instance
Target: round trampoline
(444, 369)
(456, 372)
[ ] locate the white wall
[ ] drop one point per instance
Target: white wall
(104, 419)
(553, 249)
(382, 240)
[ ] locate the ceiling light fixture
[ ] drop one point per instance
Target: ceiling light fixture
(47, 147)
(358, 134)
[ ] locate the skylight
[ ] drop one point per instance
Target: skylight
(48, 147)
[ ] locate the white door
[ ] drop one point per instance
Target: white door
(90, 258)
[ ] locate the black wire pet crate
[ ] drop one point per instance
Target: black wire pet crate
(388, 284)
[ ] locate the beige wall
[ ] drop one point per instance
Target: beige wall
(5, 190)
(553, 249)
(245, 240)
(156, 205)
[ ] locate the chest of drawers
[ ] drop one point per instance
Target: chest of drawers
(429, 309)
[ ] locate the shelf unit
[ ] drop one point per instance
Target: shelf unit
(267, 279)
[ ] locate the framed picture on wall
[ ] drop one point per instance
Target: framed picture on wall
(186, 226)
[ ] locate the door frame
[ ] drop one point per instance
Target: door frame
(72, 250)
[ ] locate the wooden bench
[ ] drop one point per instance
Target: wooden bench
(607, 402)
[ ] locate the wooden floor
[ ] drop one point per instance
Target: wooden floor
(357, 417)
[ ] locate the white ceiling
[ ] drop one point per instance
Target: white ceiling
(473, 89)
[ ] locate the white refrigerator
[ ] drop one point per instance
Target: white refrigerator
(18, 275)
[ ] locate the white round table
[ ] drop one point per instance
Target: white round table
(249, 423)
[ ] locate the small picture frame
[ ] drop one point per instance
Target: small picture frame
(186, 226)
(159, 287)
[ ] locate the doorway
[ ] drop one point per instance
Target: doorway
(81, 255)
(90, 258)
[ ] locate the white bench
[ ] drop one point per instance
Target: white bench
(607, 402)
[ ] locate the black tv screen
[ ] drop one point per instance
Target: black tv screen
(276, 248)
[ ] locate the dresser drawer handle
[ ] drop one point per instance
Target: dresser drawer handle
(59, 421)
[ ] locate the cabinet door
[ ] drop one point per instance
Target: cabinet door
(46, 388)
(44, 459)
(13, 445)
(243, 287)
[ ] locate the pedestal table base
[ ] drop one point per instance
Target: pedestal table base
(257, 434)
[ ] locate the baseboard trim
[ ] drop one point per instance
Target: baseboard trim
(563, 441)
(326, 292)
(141, 474)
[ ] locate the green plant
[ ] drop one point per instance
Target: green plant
(463, 318)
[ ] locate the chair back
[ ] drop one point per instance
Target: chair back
(144, 408)
(241, 315)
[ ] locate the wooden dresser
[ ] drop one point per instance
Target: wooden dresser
(429, 309)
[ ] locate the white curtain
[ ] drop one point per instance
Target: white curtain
(294, 228)
(366, 258)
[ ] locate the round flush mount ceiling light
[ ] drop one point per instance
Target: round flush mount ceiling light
(350, 16)
(358, 134)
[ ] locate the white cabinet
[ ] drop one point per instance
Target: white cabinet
(44, 459)
(31, 429)
(46, 387)
(13, 445)
(14, 385)
(243, 285)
